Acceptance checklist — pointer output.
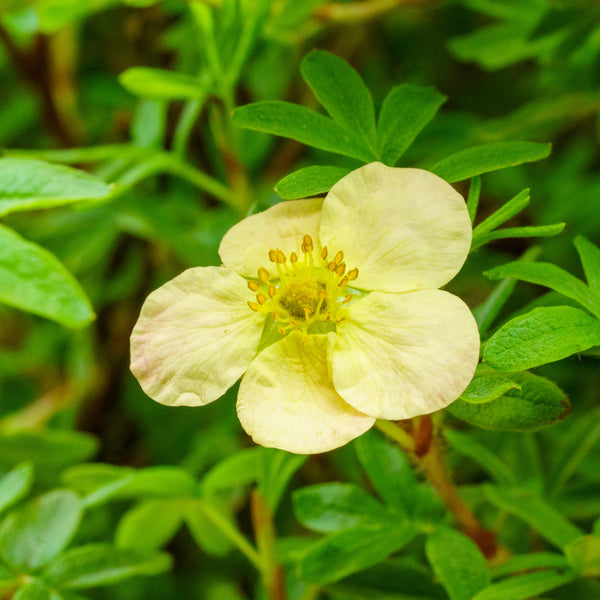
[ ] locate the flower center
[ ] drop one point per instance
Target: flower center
(302, 292)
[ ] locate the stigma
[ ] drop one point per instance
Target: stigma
(302, 290)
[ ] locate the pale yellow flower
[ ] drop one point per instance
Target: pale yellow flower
(328, 308)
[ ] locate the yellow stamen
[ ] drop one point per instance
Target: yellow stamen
(272, 255)
(339, 257)
(261, 299)
(263, 275)
(253, 285)
(308, 243)
(280, 257)
(272, 291)
(253, 305)
(324, 252)
(293, 258)
(352, 275)
(340, 269)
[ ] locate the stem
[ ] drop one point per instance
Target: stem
(234, 536)
(401, 437)
(188, 117)
(262, 521)
(341, 12)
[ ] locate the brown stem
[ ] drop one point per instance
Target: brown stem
(264, 531)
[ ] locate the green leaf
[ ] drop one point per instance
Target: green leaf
(32, 535)
(406, 110)
(27, 184)
(199, 517)
(159, 84)
(537, 404)
(340, 89)
(457, 563)
(518, 232)
(310, 181)
(488, 157)
(485, 387)
(239, 469)
(15, 485)
(529, 562)
(33, 279)
(524, 587)
(52, 447)
(538, 514)
(468, 446)
(35, 589)
(473, 197)
(513, 207)
(541, 336)
(149, 525)
(583, 555)
(351, 550)
(551, 276)
(303, 125)
(328, 507)
(590, 259)
(102, 564)
(277, 468)
(390, 472)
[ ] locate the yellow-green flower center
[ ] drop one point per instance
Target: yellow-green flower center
(301, 292)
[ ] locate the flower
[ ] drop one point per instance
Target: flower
(329, 308)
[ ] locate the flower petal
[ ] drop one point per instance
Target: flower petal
(245, 247)
(195, 337)
(404, 229)
(287, 401)
(397, 356)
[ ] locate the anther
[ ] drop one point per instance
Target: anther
(307, 241)
(332, 266)
(352, 275)
(324, 252)
(272, 291)
(272, 255)
(280, 258)
(343, 282)
(293, 257)
(261, 298)
(322, 295)
(253, 285)
(281, 330)
(347, 298)
(275, 315)
(253, 305)
(263, 275)
(339, 257)
(340, 269)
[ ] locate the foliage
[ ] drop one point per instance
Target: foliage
(134, 134)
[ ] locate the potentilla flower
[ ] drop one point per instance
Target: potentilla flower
(329, 308)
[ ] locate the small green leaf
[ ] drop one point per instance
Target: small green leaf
(517, 232)
(149, 525)
(276, 470)
(205, 531)
(389, 471)
(303, 125)
(473, 197)
(525, 587)
(468, 446)
(488, 157)
(159, 84)
(551, 276)
(537, 513)
(537, 404)
(35, 589)
(32, 535)
(240, 469)
(406, 110)
(340, 89)
(541, 336)
(33, 279)
(15, 485)
(27, 184)
(529, 562)
(590, 259)
(102, 564)
(351, 550)
(308, 182)
(457, 563)
(513, 207)
(328, 507)
(485, 387)
(583, 555)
